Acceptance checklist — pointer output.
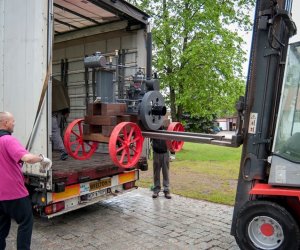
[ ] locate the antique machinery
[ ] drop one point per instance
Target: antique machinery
(114, 120)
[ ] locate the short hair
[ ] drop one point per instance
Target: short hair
(4, 115)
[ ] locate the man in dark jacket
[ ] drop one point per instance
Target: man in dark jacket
(160, 163)
(60, 110)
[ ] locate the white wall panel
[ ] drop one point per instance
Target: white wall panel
(75, 51)
(24, 45)
(113, 44)
(76, 65)
(129, 42)
(2, 55)
(59, 54)
(91, 48)
(141, 47)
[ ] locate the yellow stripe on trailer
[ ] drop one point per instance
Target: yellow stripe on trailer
(127, 177)
(70, 192)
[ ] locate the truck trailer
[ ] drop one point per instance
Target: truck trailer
(41, 40)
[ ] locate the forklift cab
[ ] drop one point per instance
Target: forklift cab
(285, 163)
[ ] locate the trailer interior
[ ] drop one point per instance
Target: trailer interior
(81, 28)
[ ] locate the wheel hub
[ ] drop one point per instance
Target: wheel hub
(267, 229)
(265, 233)
(152, 109)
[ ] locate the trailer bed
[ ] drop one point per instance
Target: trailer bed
(73, 171)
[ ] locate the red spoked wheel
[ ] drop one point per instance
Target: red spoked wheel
(74, 143)
(175, 146)
(126, 144)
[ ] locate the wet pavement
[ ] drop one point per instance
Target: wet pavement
(136, 221)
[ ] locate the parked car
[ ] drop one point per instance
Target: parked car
(215, 130)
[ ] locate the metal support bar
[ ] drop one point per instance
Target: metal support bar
(189, 137)
(75, 13)
(66, 24)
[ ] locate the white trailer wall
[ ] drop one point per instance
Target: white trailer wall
(23, 66)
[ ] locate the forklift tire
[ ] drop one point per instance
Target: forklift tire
(266, 225)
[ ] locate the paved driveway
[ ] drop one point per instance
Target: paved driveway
(135, 221)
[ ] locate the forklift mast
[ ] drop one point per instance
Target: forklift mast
(272, 29)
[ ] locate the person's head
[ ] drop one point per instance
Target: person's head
(7, 121)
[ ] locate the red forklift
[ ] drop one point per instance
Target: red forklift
(267, 208)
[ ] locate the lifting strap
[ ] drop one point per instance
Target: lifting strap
(39, 110)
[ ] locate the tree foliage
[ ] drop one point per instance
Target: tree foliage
(198, 53)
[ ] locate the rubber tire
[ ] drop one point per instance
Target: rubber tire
(253, 209)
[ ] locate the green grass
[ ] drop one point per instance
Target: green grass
(200, 171)
(204, 152)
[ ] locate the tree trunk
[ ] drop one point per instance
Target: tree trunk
(172, 104)
(169, 68)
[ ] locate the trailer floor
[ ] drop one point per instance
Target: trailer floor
(72, 171)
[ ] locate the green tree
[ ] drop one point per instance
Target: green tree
(198, 54)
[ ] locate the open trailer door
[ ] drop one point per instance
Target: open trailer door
(24, 57)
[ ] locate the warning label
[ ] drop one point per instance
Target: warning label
(252, 123)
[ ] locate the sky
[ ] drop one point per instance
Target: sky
(296, 38)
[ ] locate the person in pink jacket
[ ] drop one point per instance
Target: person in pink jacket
(14, 197)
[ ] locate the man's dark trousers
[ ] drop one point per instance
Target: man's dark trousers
(21, 211)
(161, 163)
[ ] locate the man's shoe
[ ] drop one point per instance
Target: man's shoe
(167, 195)
(64, 156)
(154, 195)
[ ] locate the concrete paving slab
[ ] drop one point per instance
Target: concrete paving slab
(136, 221)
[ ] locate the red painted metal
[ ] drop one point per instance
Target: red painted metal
(266, 189)
(175, 146)
(74, 143)
(126, 144)
(267, 229)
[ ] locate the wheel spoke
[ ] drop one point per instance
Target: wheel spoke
(121, 148)
(123, 155)
(88, 144)
(125, 134)
(120, 139)
(135, 140)
(77, 149)
(80, 128)
(73, 142)
(133, 149)
(73, 132)
(128, 155)
(130, 133)
(83, 148)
